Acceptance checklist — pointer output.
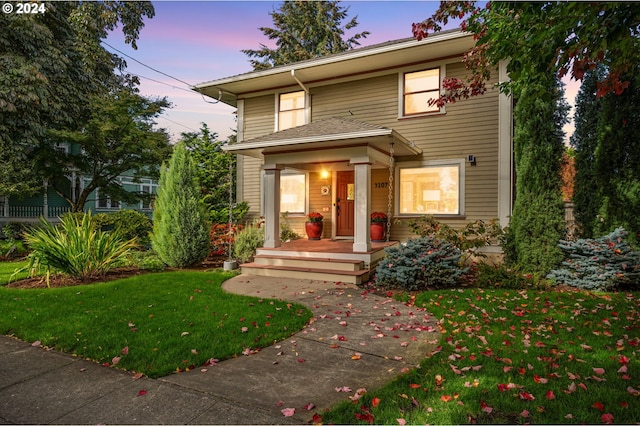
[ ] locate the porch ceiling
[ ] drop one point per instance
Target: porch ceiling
(329, 134)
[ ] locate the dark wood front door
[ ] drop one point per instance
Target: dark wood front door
(345, 199)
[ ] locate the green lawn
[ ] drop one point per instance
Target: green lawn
(8, 268)
(153, 323)
(517, 357)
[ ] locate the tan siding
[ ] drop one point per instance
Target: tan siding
(259, 116)
(251, 188)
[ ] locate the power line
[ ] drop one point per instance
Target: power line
(179, 124)
(166, 84)
(145, 65)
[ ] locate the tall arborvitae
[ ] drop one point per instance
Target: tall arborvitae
(607, 156)
(585, 140)
(537, 223)
(181, 233)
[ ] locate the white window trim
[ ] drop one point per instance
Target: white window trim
(443, 73)
(151, 185)
(306, 192)
(109, 202)
(460, 162)
(307, 107)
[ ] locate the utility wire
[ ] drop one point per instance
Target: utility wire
(162, 82)
(145, 65)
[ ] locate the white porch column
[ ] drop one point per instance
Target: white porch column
(362, 177)
(272, 205)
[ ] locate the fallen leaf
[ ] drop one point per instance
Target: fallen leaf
(375, 402)
(115, 360)
(36, 344)
(599, 371)
(310, 406)
(317, 419)
(607, 418)
(550, 395)
(526, 396)
(142, 392)
(125, 350)
(485, 407)
(288, 412)
(598, 406)
(401, 421)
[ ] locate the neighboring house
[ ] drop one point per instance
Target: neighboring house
(51, 205)
(353, 133)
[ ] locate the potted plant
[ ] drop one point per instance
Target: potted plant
(313, 226)
(378, 228)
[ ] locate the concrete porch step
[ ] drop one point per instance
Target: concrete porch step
(310, 262)
(352, 277)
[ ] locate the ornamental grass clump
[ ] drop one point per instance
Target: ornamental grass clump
(420, 264)
(74, 248)
(602, 264)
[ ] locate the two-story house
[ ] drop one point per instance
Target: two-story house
(353, 133)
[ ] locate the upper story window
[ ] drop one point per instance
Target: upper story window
(147, 188)
(417, 89)
(105, 202)
(291, 110)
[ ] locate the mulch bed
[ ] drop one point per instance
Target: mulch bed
(63, 281)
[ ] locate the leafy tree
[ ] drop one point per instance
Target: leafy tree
(117, 137)
(216, 173)
(181, 233)
(305, 30)
(52, 65)
(607, 153)
(573, 37)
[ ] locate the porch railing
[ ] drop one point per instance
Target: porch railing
(32, 212)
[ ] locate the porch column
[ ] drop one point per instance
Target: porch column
(272, 205)
(362, 207)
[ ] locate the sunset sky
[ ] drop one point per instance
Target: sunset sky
(198, 41)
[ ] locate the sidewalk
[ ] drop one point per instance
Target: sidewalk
(356, 340)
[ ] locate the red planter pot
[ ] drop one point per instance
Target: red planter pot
(378, 232)
(314, 230)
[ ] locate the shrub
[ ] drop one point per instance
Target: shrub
(147, 260)
(75, 248)
(13, 231)
(181, 233)
(420, 263)
(468, 239)
(222, 239)
(286, 233)
(247, 241)
(600, 264)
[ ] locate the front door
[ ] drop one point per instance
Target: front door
(345, 200)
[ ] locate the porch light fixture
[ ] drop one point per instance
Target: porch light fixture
(324, 174)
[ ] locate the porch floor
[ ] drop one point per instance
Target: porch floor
(326, 245)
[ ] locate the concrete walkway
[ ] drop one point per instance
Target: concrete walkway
(356, 340)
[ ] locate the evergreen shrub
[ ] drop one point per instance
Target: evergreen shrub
(180, 229)
(601, 264)
(247, 242)
(420, 263)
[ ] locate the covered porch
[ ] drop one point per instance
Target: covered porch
(344, 153)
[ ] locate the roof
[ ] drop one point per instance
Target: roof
(328, 133)
(339, 66)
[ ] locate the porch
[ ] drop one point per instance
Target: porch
(325, 259)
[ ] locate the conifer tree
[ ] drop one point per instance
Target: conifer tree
(305, 30)
(181, 233)
(537, 223)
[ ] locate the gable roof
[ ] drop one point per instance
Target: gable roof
(339, 66)
(328, 133)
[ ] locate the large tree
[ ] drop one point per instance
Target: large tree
(216, 174)
(572, 37)
(117, 137)
(52, 64)
(607, 156)
(541, 41)
(305, 30)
